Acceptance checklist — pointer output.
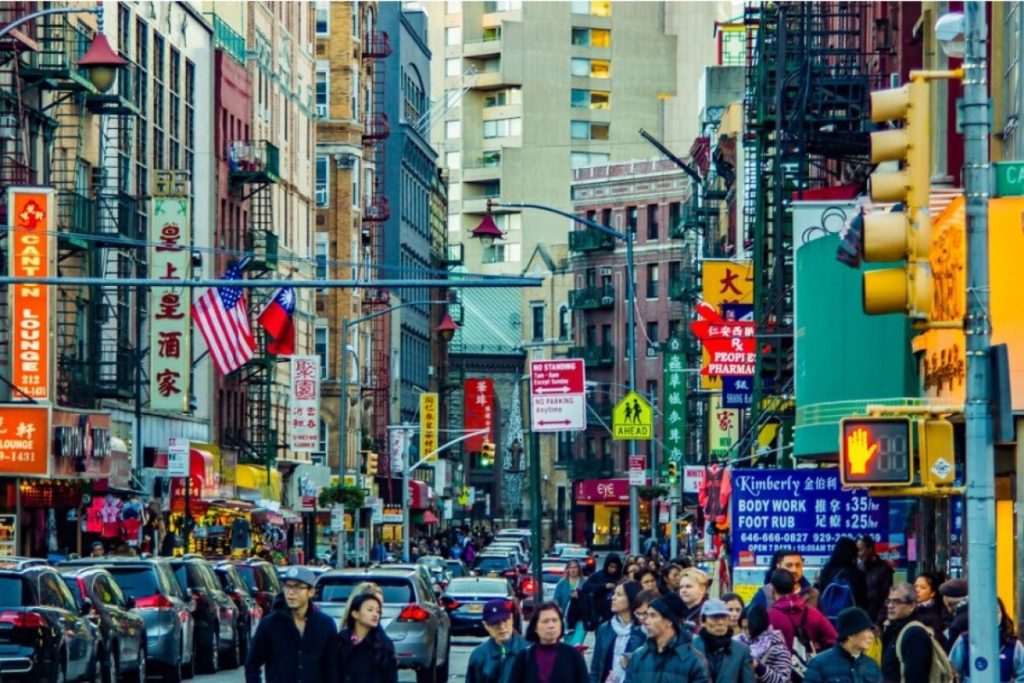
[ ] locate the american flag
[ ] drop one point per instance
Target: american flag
(223, 319)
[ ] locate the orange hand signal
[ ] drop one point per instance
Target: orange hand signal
(858, 452)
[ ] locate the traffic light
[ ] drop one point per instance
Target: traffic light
(672, 472)
(371, 463)
(876, 451)
(900, 235)
(487, 454)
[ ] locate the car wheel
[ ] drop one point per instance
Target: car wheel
(232, 658)
(209, 656)
(107, 667)
(429, 674)
(442, 671)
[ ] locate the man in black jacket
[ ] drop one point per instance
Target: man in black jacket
(877, 573)
(954, 594)
(915, 644)
(295, 642)
(598, 590)
(845, 662)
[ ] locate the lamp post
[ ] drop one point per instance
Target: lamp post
(488, 231)
(343, 392)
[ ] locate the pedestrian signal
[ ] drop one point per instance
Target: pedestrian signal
(876, 451)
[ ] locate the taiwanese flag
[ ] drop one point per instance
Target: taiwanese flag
(277, 320)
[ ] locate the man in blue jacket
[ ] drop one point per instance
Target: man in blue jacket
(492, 660)
(296, 642)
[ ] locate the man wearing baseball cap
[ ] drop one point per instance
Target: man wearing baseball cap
(491, 661)
(845, 662)
(295, 642)
(728, 660)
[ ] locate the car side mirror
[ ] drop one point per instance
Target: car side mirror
(86, 607)
(129, 602)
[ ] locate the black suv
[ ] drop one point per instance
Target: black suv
(43, 635)
(215, 614)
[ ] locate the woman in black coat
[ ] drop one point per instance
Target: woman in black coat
(365, 653)
(842, 566)
(547, 660)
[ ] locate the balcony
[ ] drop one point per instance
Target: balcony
(594, 356)
(590, 239)
(376, 45)
(687, 222)
(377, 209)
(591, 467)
(488, 47)
(54, 64)
(376, 128)
(262, 245)
(227, 39)
(253, 161)
(592, 298)
(483, 169)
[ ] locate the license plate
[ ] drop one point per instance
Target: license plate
(490, 574)
(476, 608)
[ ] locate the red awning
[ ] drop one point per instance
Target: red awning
(429, 517)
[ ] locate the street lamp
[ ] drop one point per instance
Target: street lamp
(446, 330)
(488, 231)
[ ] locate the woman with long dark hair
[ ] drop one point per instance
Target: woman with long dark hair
(365, 654)
(842, 569)
(547, 659)
(1011, 652)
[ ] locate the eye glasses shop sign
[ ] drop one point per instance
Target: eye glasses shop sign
(806, 510)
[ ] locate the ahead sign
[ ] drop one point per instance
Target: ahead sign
(557, 399)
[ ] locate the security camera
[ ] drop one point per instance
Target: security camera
(949, 31)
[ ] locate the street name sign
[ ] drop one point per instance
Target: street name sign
(632, 419)
(557, 399)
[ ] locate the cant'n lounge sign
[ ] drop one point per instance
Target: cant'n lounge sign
(32, 238)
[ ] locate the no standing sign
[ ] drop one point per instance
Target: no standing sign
(557, 399)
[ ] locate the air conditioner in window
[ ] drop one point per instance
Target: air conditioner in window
(321, 196)
(652, 350)
(606, 271)
(607, 300)
(345, 160)
(321, 111)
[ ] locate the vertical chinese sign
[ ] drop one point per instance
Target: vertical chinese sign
(724, 282)
(304, 404)
(170, 310)
(674, 399)
(428, 425)
(723, 428)
(479, 412)
(31, 246)
(25, 440)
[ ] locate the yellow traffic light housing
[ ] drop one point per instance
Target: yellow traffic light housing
(370, 460)
(937, 461)
(900, 235)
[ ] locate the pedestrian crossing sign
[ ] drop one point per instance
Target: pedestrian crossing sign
(632, 419)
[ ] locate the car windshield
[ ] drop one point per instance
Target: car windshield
(137, 582)
(11, 591)
(248, 576)
(575, 552)
(72, 584)
(339, 588)
(456, 569)
(492, 564)
(475, 587)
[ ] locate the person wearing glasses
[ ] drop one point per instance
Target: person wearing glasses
(295, 642)
(617, 638)
(906, 643)
(492, 660)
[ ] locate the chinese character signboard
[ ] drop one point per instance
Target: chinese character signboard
(804, 509)
(479, 412)
(673, 386)
(24, 440)
(170, 310)
(723, 428)
(428, 425)
(304, 404)
(31, 248)
(724, 282)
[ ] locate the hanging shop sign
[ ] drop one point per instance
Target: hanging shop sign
(428, 425)
(81, 444)
(170, 309)
(304, 404)
(673, 387)
(32, 253)
(729, 343)
(24, 440)
(724, 282)
(479, 412)
(723, 428)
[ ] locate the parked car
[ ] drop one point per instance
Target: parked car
(420, 569)
(43, 634)
(457, 568)
(249, 611)
(419, 626)
(167, 613)
(489, 564)
(261, 580)
(215, 614)
(583, 555)
(438, 569)
(122, 630)
(465, 597)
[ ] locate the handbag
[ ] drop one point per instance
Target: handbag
(575, 635)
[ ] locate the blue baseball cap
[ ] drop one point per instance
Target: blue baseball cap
(301, 574)
(497, 611)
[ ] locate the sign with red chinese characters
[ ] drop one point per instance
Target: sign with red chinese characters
(730, 347)
(479, 412)
(304, 404)
(428, 425)
(723, 428)
(170, 308)
(25, 440)
(724, 282)
(31, 244)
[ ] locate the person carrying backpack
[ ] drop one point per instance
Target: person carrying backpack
(805, 630)
(910, 652)
(1011, 652)
(840, 582)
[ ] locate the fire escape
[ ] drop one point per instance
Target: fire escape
(45, 96)
(376, 129)
(253, 168)
(806, 104)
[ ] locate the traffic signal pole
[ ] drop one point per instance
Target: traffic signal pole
(980, 481)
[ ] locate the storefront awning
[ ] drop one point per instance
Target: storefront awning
(252, 483)
(429, 517)
(602, 492)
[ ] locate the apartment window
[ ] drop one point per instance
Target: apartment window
(588, 130)
(494, 254)
(563, 322)
(591, 37)
(606, 335)
(498, 99)
(323, 76)
(322, 180)
(320, 345)
(453, 160)
(537, 320)
(190, 115)
(491, 159)
(412, 91)
(631, 219)
(652, 221)
(652, 334)
(590, 99)
(590, 335)
(453, 130)
(580, 67)
(453, 35)
(353, 101)
(602, 8)
(355, 183)
(355, 20)
(323, 248)
(674, 214)
(492, 33)
(592, 68)
(323, 18)
(652, 281)
(502, 6)
(606, 217)
(581, 159)
(452, 66)
(503, 128)
(675, 272)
